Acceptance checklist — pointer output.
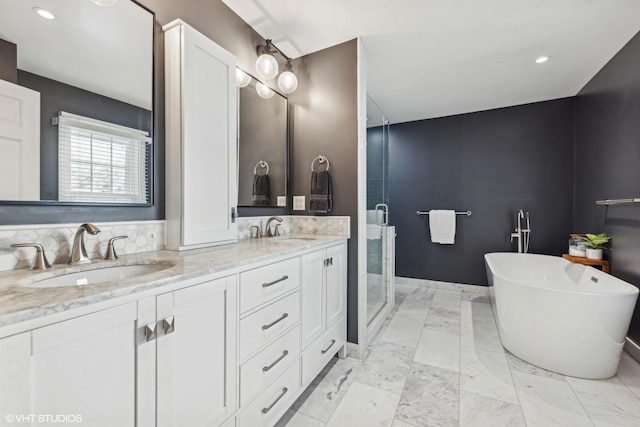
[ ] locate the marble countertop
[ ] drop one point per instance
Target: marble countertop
(19, 302)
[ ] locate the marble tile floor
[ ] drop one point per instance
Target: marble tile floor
(438, 361)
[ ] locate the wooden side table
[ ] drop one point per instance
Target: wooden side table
(603, 263)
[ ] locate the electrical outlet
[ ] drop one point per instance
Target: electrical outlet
(282, 200)
(299, 203)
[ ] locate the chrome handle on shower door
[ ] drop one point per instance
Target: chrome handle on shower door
(385, 214)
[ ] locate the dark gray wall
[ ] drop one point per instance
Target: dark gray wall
(607, 162)
(324, 121)
(491, 163)
(8, 61)
(262, 135)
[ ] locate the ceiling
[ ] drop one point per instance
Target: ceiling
(105, 50)
(434, 58)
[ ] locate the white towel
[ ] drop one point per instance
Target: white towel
(442, 225)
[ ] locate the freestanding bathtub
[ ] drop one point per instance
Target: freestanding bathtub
(563, 317)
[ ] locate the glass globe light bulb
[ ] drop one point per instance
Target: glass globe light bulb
(266, 66)
(242, 78)
(264, 91)
(288, 82)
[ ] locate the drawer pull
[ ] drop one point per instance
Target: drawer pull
(330, 345)
(169, 325)
(268, 408)
(275, 362)
(150, 332)
(282, 279)
(284, 316)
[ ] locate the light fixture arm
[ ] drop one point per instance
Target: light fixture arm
(270, 48)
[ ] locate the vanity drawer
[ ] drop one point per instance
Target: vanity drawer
(318, 354)
(262, 368)
(266, 283)
(263, 326)
(272, 403)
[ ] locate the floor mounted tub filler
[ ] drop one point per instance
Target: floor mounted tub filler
(568, 318)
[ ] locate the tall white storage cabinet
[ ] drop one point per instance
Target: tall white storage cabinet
(201, 129)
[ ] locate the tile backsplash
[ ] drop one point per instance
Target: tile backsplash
(142, 236)
(296, 224)
(57, 239)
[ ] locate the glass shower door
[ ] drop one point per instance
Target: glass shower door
(377, 209)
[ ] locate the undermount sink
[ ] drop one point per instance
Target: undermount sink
(99, 275)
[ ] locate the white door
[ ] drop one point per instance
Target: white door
(313, 296)
(196, 355)
(87, 367)
(19, 142)
(209, 141)
(336, 284)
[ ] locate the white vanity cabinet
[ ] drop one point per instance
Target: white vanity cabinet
(201, 143)
(84, 367)
(324, 298)
(187, 372)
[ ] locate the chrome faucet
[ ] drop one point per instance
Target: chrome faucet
(522, 234)
(267, 228)
(78, 250)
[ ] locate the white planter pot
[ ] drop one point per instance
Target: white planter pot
(594, 253)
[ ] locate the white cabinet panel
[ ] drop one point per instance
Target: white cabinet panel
(87, 366)
(201, 143)
(313, 296)
(15, 374)
(336, 284)
(264, 284)
(261, 369)
(263, 326)
(196, 359)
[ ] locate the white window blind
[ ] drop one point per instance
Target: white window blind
(101, 162)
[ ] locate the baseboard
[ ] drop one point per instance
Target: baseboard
(353, 350)
(632, 348)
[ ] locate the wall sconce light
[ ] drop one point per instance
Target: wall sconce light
(266, 64)
(267, 67)
(242, 79)
(288, 82)
(264, 91)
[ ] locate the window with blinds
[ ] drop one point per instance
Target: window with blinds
(102, 162)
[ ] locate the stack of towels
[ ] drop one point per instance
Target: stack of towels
(321, 200)
(442, 225)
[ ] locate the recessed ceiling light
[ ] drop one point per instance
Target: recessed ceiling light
(105, 3)
(43, 13)
(542, 59)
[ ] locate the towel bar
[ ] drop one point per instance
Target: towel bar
(608, 202)
(420, 213)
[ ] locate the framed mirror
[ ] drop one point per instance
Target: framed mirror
(263, 160)
(85, 73)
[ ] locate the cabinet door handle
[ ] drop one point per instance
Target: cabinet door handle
(150, 332)
(282, 279)
(275, 362)
(331, 261)
(169, 325)
(268, 408)
(284, 316)
(330, 345)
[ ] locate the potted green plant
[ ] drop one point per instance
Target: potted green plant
(595, 243)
